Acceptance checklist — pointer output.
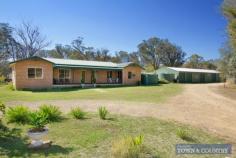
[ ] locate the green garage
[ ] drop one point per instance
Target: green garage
(187, 75)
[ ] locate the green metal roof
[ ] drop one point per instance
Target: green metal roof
(88, 67)
(80, 62)
(85, 63)
(70, 63)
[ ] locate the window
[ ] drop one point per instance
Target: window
(35, 73)
(38, 72)
(64, 73)
(129, 75)
(31, 72)
(109, 74)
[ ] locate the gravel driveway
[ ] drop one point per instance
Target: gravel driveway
(197, 105)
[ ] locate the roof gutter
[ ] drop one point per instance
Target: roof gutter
(86, 67)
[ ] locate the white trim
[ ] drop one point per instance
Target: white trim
(180, 69)
(35, 78)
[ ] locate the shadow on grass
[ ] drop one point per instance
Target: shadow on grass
(70, 89)
(185, 135)
(111, 119)
(60, 119)
(84, 118)
(12, 144)
(52, 150)
(190, 139)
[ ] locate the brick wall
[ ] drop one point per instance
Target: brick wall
(20, 74)
(136, 75)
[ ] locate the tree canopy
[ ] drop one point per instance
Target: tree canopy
(228, 51)
(156, 52)
(198, 62)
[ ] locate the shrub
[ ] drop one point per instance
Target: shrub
(52, 112)
(18, 114)
(128, 147)
(77, 113)
(138, 140)
(103, 112)
(38, 120)
(183, 134)
(2, 107)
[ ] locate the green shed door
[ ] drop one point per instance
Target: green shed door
(208, 78)
(202, 77)
(195, 77)
(188, 77)
(213, 76)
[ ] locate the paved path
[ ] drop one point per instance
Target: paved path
(197, 105)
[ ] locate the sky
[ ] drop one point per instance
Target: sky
(195, 25)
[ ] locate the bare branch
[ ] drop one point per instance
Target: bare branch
(30, 39)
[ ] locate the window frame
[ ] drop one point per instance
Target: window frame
(35, 76)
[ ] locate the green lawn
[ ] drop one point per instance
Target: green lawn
(153, 94)
(93, 137)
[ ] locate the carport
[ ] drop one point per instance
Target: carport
(187, 75)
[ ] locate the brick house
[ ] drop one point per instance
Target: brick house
(38, 73)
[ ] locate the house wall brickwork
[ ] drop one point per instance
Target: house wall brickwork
(20, 74)
(136, 75)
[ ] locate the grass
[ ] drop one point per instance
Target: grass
(154, 94)
(93, 137)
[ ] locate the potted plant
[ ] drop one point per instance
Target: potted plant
(38, 121)
(94, 82)
(82, 83)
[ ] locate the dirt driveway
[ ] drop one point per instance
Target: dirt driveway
(197, 105)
